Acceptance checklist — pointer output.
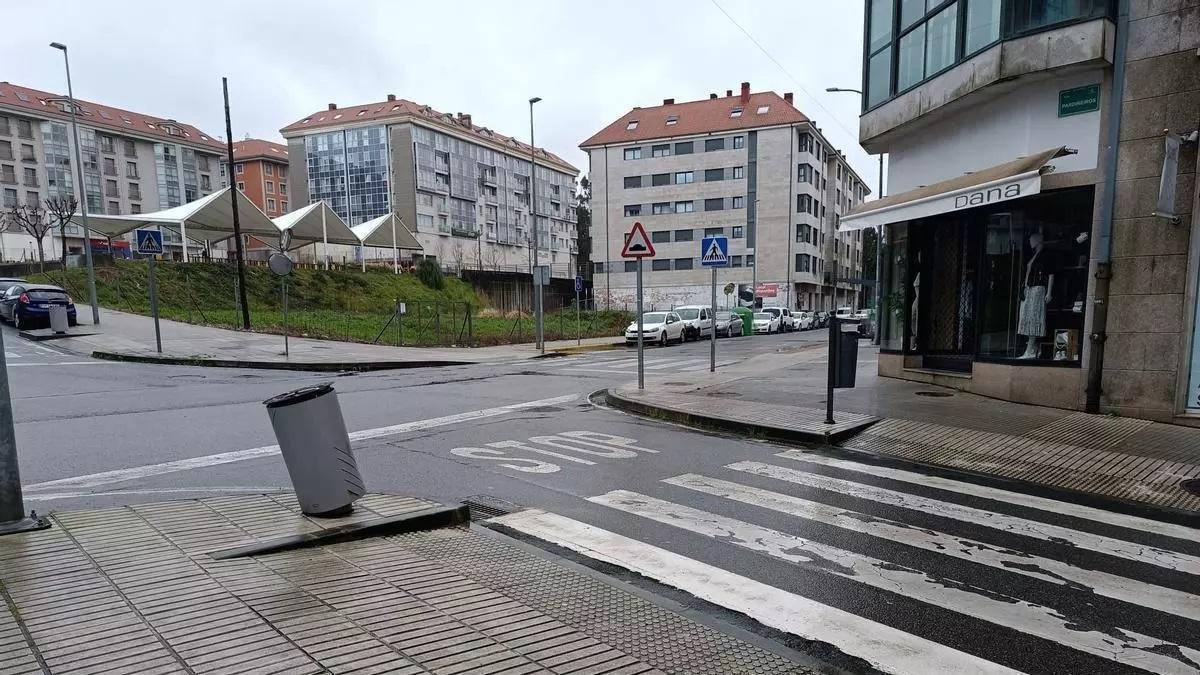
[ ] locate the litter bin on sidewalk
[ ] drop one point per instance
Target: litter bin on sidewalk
(58, 318)
(316, 449)
(847, 356)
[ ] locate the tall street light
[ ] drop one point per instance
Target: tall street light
(537, 286)
(878, 241)
(83, 209)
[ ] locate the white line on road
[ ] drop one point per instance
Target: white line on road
(27, 364)
(131, 473)
(1120, 645)
(886, 648)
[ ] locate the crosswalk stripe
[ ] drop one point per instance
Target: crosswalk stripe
(1130, 648)
(675, 363)
(1020, 499)
(884, 647)
(1054, 571)
(1012, 524)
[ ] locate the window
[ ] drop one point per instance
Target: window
(684, 207)
(32, 199)
(202, 161)
(911, 10)
(631, 125)
(763, 109)
(114, 208)
(738, 172)
(633, 182)
(735, 261)
(806, 142)
(749, 261)
(714, 231)
(283, 188)
(983, 24)
(660, 179)
(27, 154)
(424, 222)
(672, 120)
(130, 149)
(268, 169)
(683, 235)
(736, 112)
(633, 153)
(660, 208)
(633, 210)
(803, 262)
(135, 208)
(684, 148)
(803, 204)
(714, 174)
(717, 204)
(684, 177)
(135, 191)
(939, 45)
(25, 129)
(111, 189)
(241, 186)
(683, 263)
(110, 166)
(238, 168)
(739, 202)
(660, 237)
(10, 198)
(739, 142)
(6, 150)
(804, 173)
(912, 59)
(283, 206)
(270, 204)
(131, 170)
(660, 150)
(739, 232)
(31, 177)
(712, 144)
(630, 265)
(8, 174)
(660, 264)
(597, 268)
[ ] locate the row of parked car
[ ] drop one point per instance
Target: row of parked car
(695, 322)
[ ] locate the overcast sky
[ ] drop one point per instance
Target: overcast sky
(590, 62)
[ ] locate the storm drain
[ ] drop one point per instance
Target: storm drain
(934, 394)
(1191, 486)
(483, 507)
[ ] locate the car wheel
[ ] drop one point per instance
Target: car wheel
(16, 322)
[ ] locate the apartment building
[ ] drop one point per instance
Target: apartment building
(260, 169)
(1006, 272)
(747, 165)
(461, 188)
(132, 162)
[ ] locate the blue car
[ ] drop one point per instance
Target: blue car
(27, 305)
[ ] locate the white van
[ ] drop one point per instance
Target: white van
(697, 321)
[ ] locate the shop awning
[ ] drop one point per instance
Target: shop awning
(1011, 180)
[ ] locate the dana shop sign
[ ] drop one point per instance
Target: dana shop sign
(1079, 100)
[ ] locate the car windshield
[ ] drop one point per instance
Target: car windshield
(723, 316)
(773, 311)
(46, 294)
(688, 314)
(764, 316)
(654, 317)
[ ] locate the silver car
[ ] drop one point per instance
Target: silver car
(729, 324)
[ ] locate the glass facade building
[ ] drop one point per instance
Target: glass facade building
(59, 178)
(348, 169)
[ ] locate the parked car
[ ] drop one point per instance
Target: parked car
(865, 324)
(766, 322)
(821, 318)
(804, 320)
(729, 324)
(786, 323)
(844, 312)
(697, 321)
(5, 283)
(24, 304)
(658, 327)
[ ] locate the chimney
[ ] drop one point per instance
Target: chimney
(668, 101)
(391, 97)
(465, 119)
(787, 96)
(728, 93)
(712, 96)
(333, 106)
(745, 92)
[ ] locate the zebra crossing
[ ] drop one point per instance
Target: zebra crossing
(905, 572)
(624, 364)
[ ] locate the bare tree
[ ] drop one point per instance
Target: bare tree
(31, 218)
(493, 257)
(61, 210)
(458, 255)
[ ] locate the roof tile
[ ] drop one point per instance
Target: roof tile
(698, 117)
(254, 148)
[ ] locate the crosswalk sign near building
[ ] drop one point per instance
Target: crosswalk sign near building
(714, 251)
(149, 242)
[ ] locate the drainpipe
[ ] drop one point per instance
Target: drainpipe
(1104, 253)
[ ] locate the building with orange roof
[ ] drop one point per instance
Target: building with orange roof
(260, 170)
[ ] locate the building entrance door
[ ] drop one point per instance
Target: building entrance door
(946, 288)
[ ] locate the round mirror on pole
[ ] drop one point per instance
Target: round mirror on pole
(280, 264)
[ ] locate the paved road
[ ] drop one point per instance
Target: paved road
(859, 563)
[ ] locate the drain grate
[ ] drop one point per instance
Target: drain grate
(934, 394)
(1191, 486)
(483, 507)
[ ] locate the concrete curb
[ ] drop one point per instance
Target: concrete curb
(426, 519)
(582, 349)
(43, 334)
(315, 366)
(785, 434)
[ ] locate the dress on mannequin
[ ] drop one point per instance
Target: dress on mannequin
(1031, 318)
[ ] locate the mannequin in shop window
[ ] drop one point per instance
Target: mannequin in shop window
(1035, 297)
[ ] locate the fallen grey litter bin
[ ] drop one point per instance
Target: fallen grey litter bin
(847, 356)
(58, 318)
(316, 449)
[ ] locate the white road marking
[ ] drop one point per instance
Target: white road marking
(886, 648)
(1012, 524)
(1122, 646)
(677, 364)
(11, 355)
(131, 473)
(47, 349)
(27, 364)
(1054, 571)
(1042, 503)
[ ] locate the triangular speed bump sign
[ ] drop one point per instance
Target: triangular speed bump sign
(637, 244)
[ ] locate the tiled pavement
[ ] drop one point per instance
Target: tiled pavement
(133, 590)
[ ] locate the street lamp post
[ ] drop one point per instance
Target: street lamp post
(83, 208)
(537, 286)
(878, 243)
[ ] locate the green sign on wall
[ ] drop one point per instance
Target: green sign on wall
(1079, 100)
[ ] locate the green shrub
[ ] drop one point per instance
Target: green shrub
(430, 274)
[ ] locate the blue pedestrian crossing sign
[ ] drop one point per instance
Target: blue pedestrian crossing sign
(714, 251)
(149, 242)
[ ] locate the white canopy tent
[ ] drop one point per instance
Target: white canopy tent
(208, 219)
(384, 231)
(316, 223)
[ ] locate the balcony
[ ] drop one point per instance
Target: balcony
(460, 231)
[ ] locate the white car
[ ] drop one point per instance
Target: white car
(786, 322)
(657, 327)
(697, 321)
(766, 322)
(729, 324)
(804, 320)
(844, 312)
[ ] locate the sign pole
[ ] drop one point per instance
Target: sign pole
(641, 360)
(834, 337)
(286, 350)
(712, 317)
(578, 326)
(154, 305)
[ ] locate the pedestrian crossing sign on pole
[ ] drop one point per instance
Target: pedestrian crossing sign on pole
(714, 251)
(149, 242)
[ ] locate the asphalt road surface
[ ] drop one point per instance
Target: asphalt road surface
(864, 564)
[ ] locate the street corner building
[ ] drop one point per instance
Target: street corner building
(1039, 241)
(463, 189)
(746, 165)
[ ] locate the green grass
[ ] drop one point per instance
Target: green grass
(336, 304)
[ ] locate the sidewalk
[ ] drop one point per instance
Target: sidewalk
(130, 337)
(135, 590)
(783, 396)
